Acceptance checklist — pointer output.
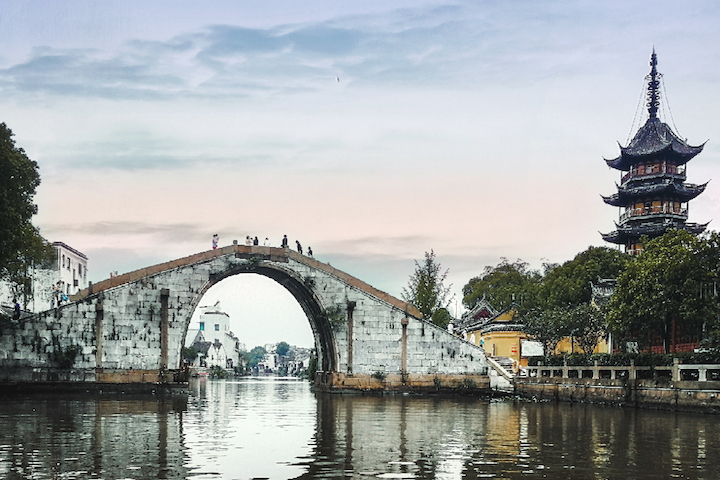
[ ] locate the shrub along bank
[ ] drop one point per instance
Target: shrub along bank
(627, 359)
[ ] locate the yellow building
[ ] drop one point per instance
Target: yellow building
(496, 332)
(502, 338)
(569, 345)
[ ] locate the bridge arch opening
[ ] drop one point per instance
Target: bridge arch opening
(287, 296)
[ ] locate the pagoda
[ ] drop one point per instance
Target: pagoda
(653, 193)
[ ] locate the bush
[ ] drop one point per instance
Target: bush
(218, 372)
(189, 354)
(312, 367)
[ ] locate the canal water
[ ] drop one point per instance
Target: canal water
(273, 428)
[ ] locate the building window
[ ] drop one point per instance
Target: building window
(217, 327)
(202, 326)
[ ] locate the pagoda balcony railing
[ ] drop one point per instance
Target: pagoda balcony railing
(663, 170)
(649, 212)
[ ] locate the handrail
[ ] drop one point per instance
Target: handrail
(679, 171)
(630, 371)
(662, 210)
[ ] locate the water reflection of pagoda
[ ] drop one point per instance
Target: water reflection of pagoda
(652, 189)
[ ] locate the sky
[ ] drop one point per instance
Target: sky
(372, 131)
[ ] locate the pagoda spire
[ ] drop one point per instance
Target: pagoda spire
(653, 93)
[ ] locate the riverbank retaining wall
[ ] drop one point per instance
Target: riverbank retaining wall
(416, 383)
(665, 389)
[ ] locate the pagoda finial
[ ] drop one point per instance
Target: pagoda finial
(653, 89)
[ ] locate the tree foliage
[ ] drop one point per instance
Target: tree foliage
(553, 304)
(586, 324)
(547, 325)
(569, 284)
(661, 292)
(507, 285)
(21, 245)
(282, 349)
(189, 354)
(710, 262)
(254, 356)
(427, 291)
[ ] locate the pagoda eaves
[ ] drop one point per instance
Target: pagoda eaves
(654, 139)
(683, 192)
(653, 195)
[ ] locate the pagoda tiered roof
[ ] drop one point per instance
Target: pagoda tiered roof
(667, 187)
(654, 140)
(654, 191)
(634, 231)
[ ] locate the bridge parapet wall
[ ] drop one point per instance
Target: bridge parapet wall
(138, 321)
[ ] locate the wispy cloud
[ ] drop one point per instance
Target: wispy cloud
(427, 46)
(160, 233)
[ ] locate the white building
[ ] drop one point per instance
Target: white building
(68, 275)
(72, 268)
(210, 334)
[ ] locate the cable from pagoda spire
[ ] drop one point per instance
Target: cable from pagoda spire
(637, 111)
(653, 94)
(667, 104)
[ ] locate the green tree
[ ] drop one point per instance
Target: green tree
(282, 349)
(710, 262)
(547, 325)
(569, 284)
(441, 317)
(660, 294)
(505, 286)
(427, 291)
(586, 324)
(254, 356)
(189, 354)
(562, 307)
(21, 245)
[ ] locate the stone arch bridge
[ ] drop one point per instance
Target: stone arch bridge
(131, 328)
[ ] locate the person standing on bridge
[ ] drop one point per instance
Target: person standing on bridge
(256, 241)
(299, 247)
(284, 243)
(215, 240)
(266, 243)
(248, 241)
(309, 251)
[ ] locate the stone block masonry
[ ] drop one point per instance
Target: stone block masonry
(138, 321)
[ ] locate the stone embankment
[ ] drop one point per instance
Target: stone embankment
(677, 387)
(399, 383)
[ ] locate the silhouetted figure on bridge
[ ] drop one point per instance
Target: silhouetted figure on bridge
(256, 241)
(284, 243)
(310, 251)
(299, 247)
